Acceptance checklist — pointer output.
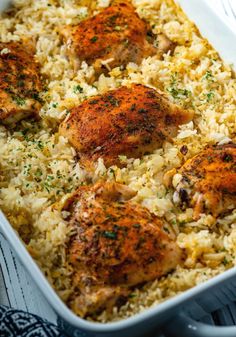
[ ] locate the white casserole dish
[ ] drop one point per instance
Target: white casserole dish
(172, 315)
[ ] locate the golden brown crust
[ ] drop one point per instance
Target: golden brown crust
(126, 121)
(116, 34)
(211, 178)
(20, 82)
(118, 244)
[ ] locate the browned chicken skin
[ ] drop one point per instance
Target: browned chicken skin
(208, 181)
(126, 121)
(116, 34)
(20, 82)
(117, 245)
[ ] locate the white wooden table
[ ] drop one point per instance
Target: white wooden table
(17, 289)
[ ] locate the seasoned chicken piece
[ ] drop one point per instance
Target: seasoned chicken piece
(115, 37)
(207, 182)
(126, 121)
(20, 82)
(117, 244)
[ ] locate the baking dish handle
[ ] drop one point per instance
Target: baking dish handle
(182, 325)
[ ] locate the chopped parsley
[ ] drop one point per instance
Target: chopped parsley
(175, 91)
(132, 295)
(39, 144)
(77, 88)
(113, 101)
(25, 131)
(27, 169)
(122, 158)
(38, 173)
(208, 76)
(112, 20)
(47, 186)
(35, 95)
(142, 111)
(94, 39)
(19, 100)
(179, 93)
(227, 158)
(112, 171)
(225, 261)
(136, 225)
(49, 178)
(110, 235)
(209, 96)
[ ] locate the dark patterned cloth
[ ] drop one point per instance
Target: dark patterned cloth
(16, 323)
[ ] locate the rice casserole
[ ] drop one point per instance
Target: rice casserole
(39, 168)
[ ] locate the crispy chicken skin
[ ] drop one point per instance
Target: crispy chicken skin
(126, 121)
(20, 82)
(117, 244)
(116, 34)
(207, 182)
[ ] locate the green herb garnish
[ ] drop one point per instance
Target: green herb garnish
(77, 88)
(110, 235)
(94, 39)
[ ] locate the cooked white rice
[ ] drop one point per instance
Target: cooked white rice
(38, 167)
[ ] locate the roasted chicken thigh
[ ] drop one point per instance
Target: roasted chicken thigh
(126, 121)
(20, 82)
(113, 38)
(117, 244)
(207, 182)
